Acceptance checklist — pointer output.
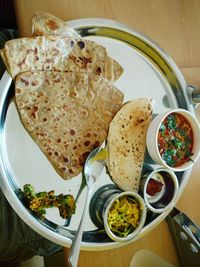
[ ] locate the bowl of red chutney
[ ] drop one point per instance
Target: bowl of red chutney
(159, 188)
(173, 139)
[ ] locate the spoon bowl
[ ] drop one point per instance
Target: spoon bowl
(95, 163)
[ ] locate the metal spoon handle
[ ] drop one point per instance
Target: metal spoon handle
(82, 186)
(75, 248)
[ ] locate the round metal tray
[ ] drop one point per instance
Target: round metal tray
(148, 72)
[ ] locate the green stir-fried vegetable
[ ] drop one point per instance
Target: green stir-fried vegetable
(38, 202)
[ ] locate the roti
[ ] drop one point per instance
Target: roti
(44, 23)
(67, 114)
(88, 55)
(37, 53)
(58, 53)
(127, 143)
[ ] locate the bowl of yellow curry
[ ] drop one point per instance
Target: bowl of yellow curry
(124, 215)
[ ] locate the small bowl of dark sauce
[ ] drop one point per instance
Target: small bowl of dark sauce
(159, 189)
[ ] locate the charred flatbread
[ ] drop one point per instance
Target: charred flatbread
(67, 114)
(58, 53)
(44, 24)
(37, 53)
(92, 57)
(127, 143)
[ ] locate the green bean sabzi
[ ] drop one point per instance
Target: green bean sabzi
(39, 202)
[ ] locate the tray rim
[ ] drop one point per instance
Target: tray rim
(35, 224)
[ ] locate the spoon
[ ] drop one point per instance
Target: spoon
(93, 167)
(102, 155)
(82, 186)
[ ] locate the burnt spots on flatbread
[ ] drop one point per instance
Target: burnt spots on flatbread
(98, 71)
(52, 25)
(87, 143)
(72, 132)
(83, 157)
(71, 43)
(81, 44)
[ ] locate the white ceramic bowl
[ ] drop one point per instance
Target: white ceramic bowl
(165, 198)
(142, 217)
(152, 139)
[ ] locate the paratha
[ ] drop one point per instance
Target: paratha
(67, 114)
(37, 53)
(58, 53)
(44, 23)
(92, 57)
(127, 143)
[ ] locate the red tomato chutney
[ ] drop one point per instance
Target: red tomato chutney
(175, 140)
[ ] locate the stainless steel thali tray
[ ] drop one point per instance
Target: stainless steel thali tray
(148, 72)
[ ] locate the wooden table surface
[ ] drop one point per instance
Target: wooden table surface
(175, 26)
